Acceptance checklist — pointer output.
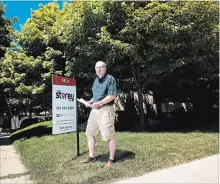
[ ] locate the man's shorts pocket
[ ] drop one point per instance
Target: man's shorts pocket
(107, 128)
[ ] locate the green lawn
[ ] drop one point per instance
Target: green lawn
(52, 158)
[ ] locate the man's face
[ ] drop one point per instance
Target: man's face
(100, 69)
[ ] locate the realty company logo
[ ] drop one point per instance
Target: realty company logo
(61, 95)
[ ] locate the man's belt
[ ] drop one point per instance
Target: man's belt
(106, 105)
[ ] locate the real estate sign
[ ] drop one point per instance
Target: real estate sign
(63, 104)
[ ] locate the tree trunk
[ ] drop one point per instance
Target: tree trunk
(141, 109)
(140, 94)
(30, 114)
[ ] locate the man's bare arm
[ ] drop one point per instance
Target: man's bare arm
(104, 101)
(107, 99)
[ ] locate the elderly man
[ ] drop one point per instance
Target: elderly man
(102, 115)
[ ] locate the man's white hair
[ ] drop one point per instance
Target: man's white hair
(102, 63)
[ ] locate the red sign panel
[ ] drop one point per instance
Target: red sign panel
(66, 81)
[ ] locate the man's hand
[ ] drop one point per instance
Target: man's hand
(89, 102)
(96, 105)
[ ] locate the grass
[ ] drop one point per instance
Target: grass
(52, 158)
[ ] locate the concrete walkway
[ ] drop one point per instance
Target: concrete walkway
(12, 170)
(199, 171)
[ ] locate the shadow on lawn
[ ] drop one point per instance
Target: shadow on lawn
(34, 132)
(120, 156)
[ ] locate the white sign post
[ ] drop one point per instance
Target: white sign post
(64, 115)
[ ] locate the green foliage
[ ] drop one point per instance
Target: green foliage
(143, 43)
(159, 38)
(6, 35)
(23, 75)
(38, 32)
(82, 49)
(5, 31)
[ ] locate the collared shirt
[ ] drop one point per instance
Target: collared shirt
(103, 87)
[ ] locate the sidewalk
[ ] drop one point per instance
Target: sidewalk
(199, 171)
(12, 171)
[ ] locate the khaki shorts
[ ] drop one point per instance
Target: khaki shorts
(102, 120)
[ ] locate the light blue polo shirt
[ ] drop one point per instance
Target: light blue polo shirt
(103, 87)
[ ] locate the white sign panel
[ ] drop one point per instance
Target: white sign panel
(63, 105)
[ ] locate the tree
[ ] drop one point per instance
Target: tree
(80, 37)
(5, 31)
(6, 36)
(199, 40)
(159, 38)
(143, 44)
(24, 75)
(40, 42)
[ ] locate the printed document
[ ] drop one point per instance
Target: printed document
(84, 102)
